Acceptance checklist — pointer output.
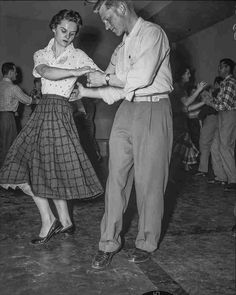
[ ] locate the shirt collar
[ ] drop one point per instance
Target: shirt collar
(51, 42)
(135, 29)
(227, 77)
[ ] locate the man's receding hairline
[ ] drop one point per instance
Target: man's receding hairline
(100, 3)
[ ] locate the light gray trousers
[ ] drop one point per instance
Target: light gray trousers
(207, 133)
(140, 149)
(222, 150)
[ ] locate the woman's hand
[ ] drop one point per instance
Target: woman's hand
(201, 86)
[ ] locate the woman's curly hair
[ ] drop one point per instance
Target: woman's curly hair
(70, 15)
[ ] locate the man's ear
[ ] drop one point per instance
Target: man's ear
(122, 8)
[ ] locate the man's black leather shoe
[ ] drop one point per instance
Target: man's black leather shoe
(54, 229)
(138, 256)
(230, 187)
(102, 259)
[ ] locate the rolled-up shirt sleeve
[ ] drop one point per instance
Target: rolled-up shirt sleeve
(86, 61)
(154, 47)
(112, 65)
(21, 96)
(111, 94)
(39, 59)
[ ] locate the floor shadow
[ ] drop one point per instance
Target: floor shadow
(173, 191)
(129, 215)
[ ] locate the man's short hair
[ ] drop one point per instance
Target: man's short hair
(112, 3)
(7, 66)
(229, 62)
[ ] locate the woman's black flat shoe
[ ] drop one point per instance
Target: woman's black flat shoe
(68, 230)
(54, 229)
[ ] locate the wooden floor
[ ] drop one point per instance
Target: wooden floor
(196, 254)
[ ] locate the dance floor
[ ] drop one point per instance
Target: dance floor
(196, 255)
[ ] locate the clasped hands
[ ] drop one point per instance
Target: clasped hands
(206, 95)
(95, 78)
(201, 85)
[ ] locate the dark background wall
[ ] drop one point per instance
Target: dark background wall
(202, 48)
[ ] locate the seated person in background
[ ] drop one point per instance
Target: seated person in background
(10, 96)
(208, 117)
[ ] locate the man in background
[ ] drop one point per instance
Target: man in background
(223, 146)
(10, 96)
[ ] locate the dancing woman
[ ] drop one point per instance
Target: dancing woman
(46, 160)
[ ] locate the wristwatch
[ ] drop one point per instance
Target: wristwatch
(107, 78)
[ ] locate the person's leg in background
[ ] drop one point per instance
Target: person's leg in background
(234, 227)
(217, 165)
(227, 137)
(206, 138)
(8, 133)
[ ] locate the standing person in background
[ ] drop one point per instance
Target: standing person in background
(184, 151)
(10, 96)
(208, 117)
(36, 91)
(223, 146)
(141, 137)
(26, 111)
(47, 161)
(90, 109)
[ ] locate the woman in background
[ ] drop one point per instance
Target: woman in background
(184, 152)
(46, 161)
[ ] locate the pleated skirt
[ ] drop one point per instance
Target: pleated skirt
(46, 159)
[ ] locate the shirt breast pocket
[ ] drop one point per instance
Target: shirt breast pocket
(133, 53)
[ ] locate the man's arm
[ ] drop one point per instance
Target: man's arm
(108, 94)
(21, 96)
(225, 99)
(98, 78)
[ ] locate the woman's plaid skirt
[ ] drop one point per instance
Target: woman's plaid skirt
(184, 148)
(46, 159)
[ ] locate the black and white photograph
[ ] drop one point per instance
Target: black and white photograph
(117, 147)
